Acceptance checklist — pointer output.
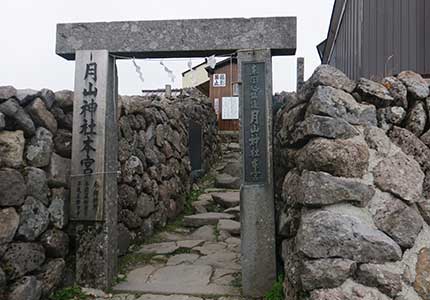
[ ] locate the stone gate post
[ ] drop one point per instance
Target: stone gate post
(258, 254)
(93, 206)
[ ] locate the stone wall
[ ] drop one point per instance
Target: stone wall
(154, 158)
(35, 142)
(353, 182)
(35, 150)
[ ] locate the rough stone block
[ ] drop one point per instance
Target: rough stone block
(11, 148)
(12, 188)
(41, 115)
(59, 171)
(185, 38)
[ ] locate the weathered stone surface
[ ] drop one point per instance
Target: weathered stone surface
(411, 145)
(34, 219)
(130, 219)
(25, 96)
(422, 280)
(12, 109)
(233, 168)
(319, 188)
(327, 234)
(145, 205)
(389, 116)
(63, 143)
(345, 158)
(47, 96)
(40, 149)
(397, 90)
(56, 243)
(127, 196)
(227, 199)
(288, 120)
(186, 258)
(65, 99)
(374, 93)
(3, 281)
(206, 233)
(22, 258)
(377, 140)
(64, 119)
(7, 92)
(27, 288)
(416, 85)
(326, 75)
(350, 290)
(417, 119)
(170, 297)
(124, 239)
(11, 148)
(160, 248)
(328, 101)
(12, 188)
(424, 208)
(400, 175)
(205, 219)
(425, 138)
(325, 273)
(59, 171)
(37, 184)
(385, 278)
(41, 115)
(2, 121)
(239, 33)
(226, 181)
(59, 208)
(8, 225)
(401, 222)
(230, 226)
(51, 274)
(320, 126)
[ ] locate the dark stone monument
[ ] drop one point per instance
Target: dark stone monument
(195, 137)
(257, 213)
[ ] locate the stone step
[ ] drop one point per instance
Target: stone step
(193, 280)
(235, 211)
(227, 199)
(232, 227)
(226, 181)
(211, 218)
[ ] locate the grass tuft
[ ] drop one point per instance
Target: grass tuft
(277, 291)
(69, 293)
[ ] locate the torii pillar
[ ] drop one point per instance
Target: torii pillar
(256, 40)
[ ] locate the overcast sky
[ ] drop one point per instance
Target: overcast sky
(27, 37)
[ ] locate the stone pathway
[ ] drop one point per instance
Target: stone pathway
(200, 259)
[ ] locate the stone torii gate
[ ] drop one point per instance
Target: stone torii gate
(95, 143)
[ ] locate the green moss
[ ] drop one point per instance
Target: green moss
(69, 293)
(133, 260)
(277, 291)
(237, 281)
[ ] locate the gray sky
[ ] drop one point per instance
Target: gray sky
(27, 37)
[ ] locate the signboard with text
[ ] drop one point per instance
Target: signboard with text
(88, 148)
(254, 122)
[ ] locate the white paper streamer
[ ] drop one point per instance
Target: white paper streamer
(138, 70)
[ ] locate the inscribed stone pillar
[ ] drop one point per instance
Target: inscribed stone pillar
(93, 206)
(258, 249)
(300, 72)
